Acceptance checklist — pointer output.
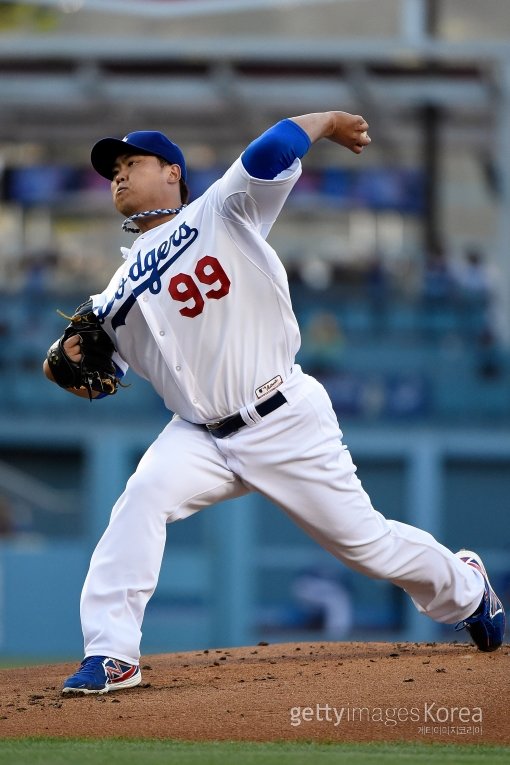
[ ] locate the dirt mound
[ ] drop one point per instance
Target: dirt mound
(325, 692)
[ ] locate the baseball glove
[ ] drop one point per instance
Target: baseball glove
(95, 371)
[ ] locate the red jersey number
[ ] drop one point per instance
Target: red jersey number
(184, 288)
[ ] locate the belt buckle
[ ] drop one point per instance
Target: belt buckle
(216, 424)
(213, 425)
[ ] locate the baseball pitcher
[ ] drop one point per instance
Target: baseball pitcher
(200, 307)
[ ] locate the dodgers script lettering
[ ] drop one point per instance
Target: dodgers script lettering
(146, 271)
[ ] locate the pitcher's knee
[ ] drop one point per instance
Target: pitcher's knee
(372, 560)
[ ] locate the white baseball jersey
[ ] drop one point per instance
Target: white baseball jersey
(201, 305)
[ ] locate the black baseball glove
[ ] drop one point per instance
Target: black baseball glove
(96, 370)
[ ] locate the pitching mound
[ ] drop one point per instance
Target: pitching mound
(324, 692)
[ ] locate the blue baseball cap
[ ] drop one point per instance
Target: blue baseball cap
(105, 152)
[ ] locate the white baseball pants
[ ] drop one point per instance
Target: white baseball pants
(294, 456)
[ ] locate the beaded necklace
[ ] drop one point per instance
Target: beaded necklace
(149, 214)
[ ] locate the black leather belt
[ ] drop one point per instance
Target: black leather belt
(233, 423)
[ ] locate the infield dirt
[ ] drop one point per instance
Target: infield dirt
(447, 692)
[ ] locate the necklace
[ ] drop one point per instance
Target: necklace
(149, 214)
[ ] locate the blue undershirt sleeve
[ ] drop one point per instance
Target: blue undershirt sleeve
(275, 150)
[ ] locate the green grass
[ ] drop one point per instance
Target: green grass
(39, 751)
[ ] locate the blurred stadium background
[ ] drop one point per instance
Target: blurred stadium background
(399, 270)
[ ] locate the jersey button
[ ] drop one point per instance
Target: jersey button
(162, 332)
(178, 368)
(145, 298)
(195, 400)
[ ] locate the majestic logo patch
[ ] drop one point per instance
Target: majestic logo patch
(268, 386)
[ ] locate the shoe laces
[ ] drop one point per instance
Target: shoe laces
(89, 665)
